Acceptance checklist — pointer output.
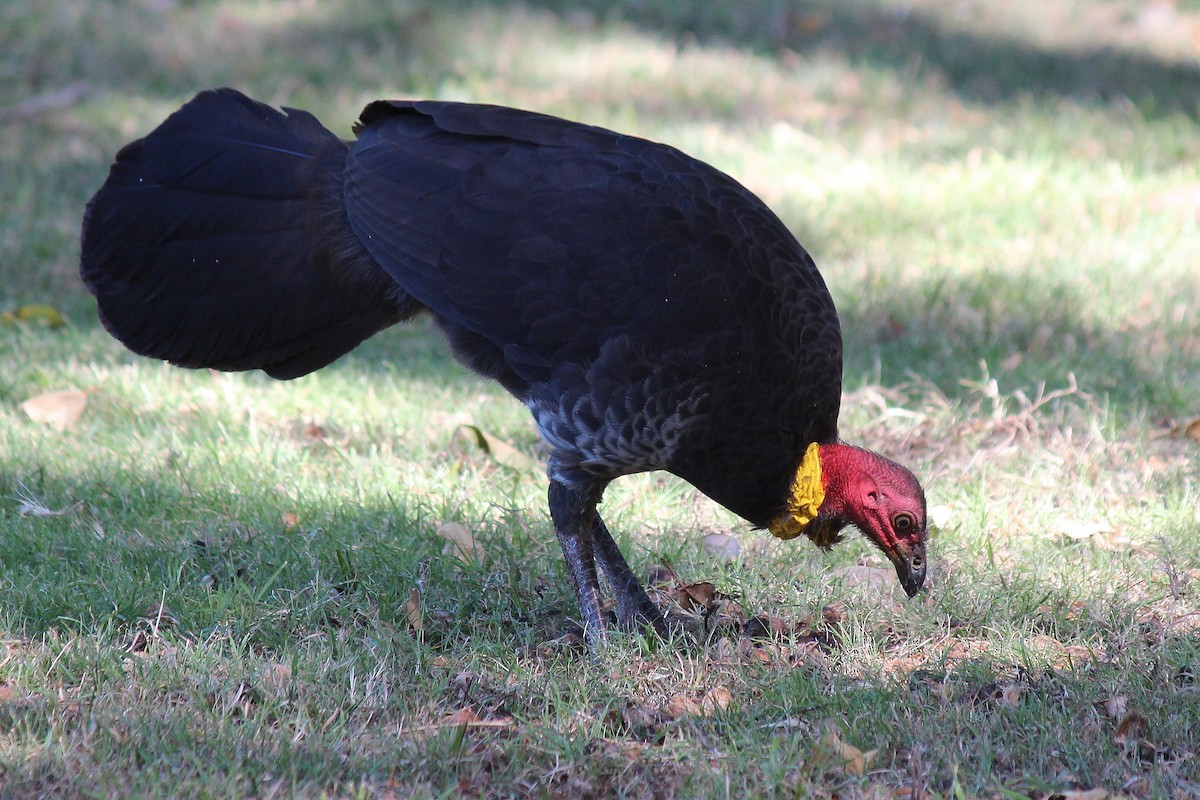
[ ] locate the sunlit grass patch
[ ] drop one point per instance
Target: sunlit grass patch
(218, 584)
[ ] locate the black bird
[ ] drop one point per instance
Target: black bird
(648, 310)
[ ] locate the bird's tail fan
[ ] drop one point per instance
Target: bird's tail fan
(220, 240)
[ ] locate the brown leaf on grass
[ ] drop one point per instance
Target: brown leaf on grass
(1132, 729)
(834, 614)
(852, 760)
(997, 694)
(1188, 430)
(460, 542)
(32, 508)
(290, 519)
(1010, 696)
(939, 517)
(660, 576)
(159, 615)
(1112, 706)
(871, 577)
(687, 704)
(277, 676)
(723, 545)
(466, 717)
(501, 451)
(60, 409)
(764, 626)
(413, 612)
(716, 699)
(1078, 531)
(45, 316)
(697, 596)
(139, 643)
(683, 705)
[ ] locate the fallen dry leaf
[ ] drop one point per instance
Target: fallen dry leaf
(460, 542)
(683, 705)
(500, 451)
(464, 716)
(467, 718)
(686, 704)
(1010, 696)
(1190, 430)
(32, 508)
(413, 612)
(834, 614)
(1080, 794)
(290, 519)
(660, 576)
(1112, 706)
(159, 615)
(59, 409)
(852, 760)
(277, 676)
(1132, 728)
(697, 596)
(997, 694)
(47, 316)
(872, 577)
(938, 517)
(1079, 531)
(716, 699)
(723, 545)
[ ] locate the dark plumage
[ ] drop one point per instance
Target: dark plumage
(649, 311)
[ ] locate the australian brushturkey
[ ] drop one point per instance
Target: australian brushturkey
(648, 310)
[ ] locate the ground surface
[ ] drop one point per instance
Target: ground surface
(217, 585)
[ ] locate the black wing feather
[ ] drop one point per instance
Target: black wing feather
(200, 247)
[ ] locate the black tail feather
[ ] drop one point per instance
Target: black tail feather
(220, 240)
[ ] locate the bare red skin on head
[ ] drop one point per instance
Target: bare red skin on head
(879, 497)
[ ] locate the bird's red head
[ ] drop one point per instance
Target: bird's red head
(838, 485)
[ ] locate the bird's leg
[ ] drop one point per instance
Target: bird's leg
(573, 509)
(635, 609)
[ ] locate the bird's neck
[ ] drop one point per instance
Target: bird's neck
(819, 492)
(842, 467)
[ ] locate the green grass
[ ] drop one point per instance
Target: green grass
(205, 582)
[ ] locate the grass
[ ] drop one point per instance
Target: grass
(217, 585)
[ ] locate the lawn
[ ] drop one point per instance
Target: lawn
(217, 585)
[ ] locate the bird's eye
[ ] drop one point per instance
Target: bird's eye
(903, 522)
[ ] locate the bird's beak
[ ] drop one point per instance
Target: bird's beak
(910, 568)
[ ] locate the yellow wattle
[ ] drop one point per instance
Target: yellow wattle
(804, 502)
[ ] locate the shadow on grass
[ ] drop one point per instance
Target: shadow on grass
(944, 338)
(977, 68)
(1027, 331)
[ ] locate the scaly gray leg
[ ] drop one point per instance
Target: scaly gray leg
(635, 609)
(573, 509)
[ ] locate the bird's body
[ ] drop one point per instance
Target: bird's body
(648, 310)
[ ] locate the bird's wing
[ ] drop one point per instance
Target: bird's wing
(197, 247)
(518, 226)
